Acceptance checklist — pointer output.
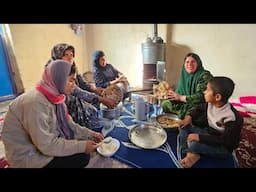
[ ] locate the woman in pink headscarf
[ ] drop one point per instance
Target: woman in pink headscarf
(38, 132)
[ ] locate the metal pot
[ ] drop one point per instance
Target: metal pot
(111, 113)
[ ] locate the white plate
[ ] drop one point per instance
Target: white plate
(109, 149)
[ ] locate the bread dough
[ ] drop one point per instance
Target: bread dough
(107, 148)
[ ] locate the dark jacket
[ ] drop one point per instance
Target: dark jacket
(230, 138)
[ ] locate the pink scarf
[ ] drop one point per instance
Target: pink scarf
(51, 91)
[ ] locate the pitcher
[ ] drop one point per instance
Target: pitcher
(141, 109)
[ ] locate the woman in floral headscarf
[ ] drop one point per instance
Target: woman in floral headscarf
(82, 104)
(38, 132)
(189, 92)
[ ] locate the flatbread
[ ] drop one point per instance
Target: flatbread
(113, 92)
(161, 90)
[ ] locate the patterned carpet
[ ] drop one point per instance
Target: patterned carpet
(3, 162)
(246, 151)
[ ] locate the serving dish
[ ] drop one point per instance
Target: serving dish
(168, 120)
(147, 136)
(113, 92)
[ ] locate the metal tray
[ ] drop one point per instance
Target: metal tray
(147, 136)
(170, 120)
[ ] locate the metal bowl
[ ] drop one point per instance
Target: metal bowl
(111, 113)
(168, 121)
(113, 92)
(147, 136)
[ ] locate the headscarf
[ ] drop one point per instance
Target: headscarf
(103, 75)
(188, 82)
(52, 86)
(96, 55)
(58, 51)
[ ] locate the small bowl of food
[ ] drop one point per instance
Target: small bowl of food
(108, 147)
(168, 121)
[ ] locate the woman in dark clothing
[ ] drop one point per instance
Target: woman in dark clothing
(105, 74)
(82, 104)
(191, 86)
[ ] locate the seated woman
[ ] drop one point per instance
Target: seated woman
(37, 130)
(105, 74)
(82, 104)
(189, 92)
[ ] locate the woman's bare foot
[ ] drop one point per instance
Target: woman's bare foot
(189, 160)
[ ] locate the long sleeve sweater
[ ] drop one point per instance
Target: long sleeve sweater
(228, 138)
(30, 133)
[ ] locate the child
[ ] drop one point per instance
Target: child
(218, 134)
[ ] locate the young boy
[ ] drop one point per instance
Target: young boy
(218, 134)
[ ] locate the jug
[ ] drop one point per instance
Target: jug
(141, 109)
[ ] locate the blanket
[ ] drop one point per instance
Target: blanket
(165, 156)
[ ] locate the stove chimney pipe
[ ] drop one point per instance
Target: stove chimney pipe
(155, 34)
(153, 50)
(155, 38)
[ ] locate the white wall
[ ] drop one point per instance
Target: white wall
(33, 43)
(122, 46)
(225, 49)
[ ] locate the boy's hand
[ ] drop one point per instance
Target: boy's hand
(193, 137)
(186, 121)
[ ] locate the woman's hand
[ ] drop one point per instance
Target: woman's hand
(108, 102)
(173, 96)
(98, 91)
(115, 81)
(90, 146)
(97, 137)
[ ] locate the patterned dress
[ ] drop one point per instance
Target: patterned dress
(82, 112)
(82, 104)
(190, 85)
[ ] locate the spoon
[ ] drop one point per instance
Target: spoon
(106, 140)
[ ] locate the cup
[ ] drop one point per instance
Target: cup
(107, 126)
(141, 109)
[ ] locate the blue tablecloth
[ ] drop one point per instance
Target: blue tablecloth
(166, 156)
